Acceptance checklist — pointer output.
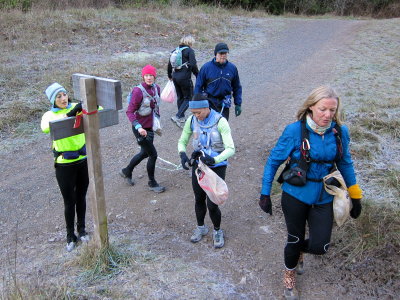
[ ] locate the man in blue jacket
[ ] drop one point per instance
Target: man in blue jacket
(219, 78)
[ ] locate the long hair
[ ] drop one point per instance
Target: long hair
(187, 40)
(315, 96)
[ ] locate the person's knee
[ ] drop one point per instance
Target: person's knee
(293, 244)
(318, 248)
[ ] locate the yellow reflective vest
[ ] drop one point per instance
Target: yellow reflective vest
(72, 143)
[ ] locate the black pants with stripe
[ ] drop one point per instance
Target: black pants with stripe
(319, 219)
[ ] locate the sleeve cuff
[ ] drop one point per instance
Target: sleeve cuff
(355, 191)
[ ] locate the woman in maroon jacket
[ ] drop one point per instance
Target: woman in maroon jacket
(144, 103)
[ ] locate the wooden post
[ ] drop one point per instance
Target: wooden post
(96, 186)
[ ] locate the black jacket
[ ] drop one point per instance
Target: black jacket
(185, 72)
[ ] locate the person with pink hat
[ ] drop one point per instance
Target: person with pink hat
(142, 109)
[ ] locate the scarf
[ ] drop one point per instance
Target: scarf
(316, 128)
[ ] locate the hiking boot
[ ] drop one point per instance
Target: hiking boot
(70, 246)
(300, 264)
(155, 187)
(180, 122)
(198, 233)
(218, 237)
(84, 237)
(128, 178)
(289, 281)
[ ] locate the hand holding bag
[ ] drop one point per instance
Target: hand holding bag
(214, 186)
(341, 201)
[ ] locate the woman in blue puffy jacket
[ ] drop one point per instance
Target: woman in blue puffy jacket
(310, 203)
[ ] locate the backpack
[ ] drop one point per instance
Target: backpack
(176, 58)
(145, 109)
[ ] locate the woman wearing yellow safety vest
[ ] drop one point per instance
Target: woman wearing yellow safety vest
(70, 164)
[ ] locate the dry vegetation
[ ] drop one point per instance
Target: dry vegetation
(369, 247)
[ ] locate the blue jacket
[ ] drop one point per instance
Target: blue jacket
(218, 81)
(323, 148)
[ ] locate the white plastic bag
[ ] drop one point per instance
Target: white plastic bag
(214, 186)
(157, 124)
(341, 201)
(168, 94)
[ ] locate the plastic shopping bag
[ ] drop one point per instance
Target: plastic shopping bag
(341, 201)
(214, 186)
(168, 94)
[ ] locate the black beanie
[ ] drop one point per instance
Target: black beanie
(221, 47)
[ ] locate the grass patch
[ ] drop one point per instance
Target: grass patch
(369, 247)
(106, 263)
(359, 134)
(100, 264)
(390, 178)
(40, 291)
(388, 126)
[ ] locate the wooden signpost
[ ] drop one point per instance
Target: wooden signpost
(93, 91)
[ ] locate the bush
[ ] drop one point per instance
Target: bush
(375, 8)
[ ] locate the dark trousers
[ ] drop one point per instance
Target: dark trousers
(217, 106)
(202, 201)
(147, 150)
(319, 219)
(73, 181)
(184, 93)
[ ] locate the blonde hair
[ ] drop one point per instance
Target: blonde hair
(187, 40)
(316, 95)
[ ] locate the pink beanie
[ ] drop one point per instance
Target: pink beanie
(149, 69)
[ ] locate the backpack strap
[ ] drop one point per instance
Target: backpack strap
(305, 147)
(305, 159)
(337, 131)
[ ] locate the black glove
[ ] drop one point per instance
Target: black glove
(207, 159)
(184, 160)
(196, 154)
(265, 204)
(356, 210)
(77, 108)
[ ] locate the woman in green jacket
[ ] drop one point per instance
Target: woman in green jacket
(70, 164)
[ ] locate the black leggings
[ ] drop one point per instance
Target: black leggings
(184, 93)
(73, 180)
(201, 198)
(147, 149)
(319, 219)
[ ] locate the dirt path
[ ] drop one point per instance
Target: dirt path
(277, 71)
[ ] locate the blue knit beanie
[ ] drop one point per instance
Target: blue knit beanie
(53, 90)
